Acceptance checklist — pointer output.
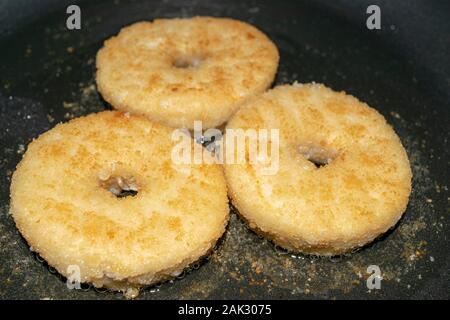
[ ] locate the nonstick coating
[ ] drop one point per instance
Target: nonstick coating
(47, 76)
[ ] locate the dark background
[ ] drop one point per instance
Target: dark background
(47, 76)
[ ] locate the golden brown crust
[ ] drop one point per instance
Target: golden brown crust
(68, 217)
(136, 72)
(347, 203)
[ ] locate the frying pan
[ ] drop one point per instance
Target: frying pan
(47, 76)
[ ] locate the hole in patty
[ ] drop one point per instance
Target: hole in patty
(119, 186)
(317, 155)
(184, 62)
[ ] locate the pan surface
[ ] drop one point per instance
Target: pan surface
(47, 76)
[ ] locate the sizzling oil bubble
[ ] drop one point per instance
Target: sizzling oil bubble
(39, 258)
(314, 257)
(153, 290)
(353, 251)
(297, 256)
(85, 286)
(158, 285)
(280, 250)
(336, 259)
(52, 270)
(102, 290)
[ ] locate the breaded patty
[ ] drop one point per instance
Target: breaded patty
(344, 177)
(101, 192)
(176, 71)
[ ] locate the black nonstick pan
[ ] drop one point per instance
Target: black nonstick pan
(402, 70)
